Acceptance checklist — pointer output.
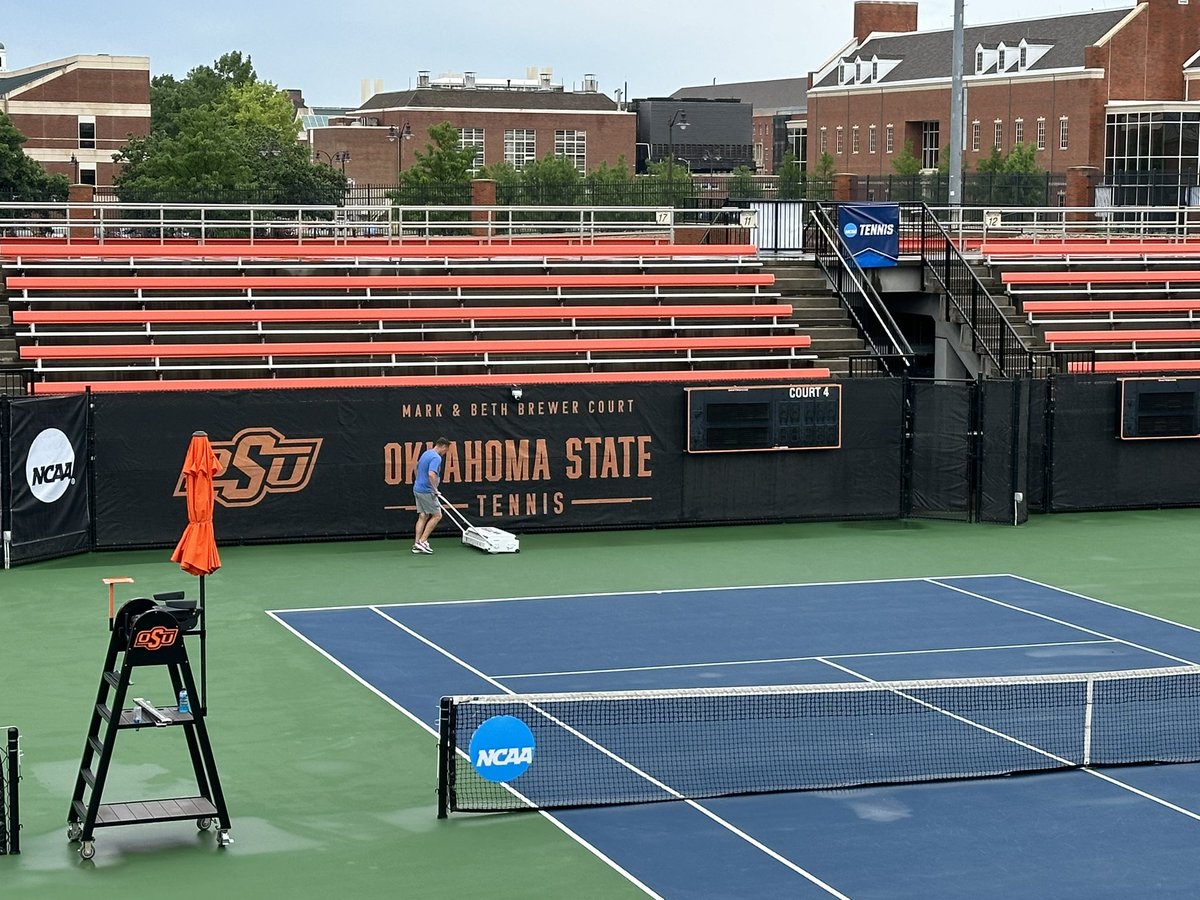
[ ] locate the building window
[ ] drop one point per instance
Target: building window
(520, 147)
(472, 137)
(1023, 60)
(1000, 59)
(87, 132)
(824, 140)
(997, 134)
(841, 141)
(931, 144)
(1062, 133)
(976, 135)
(1019, 131)
(872, 139)
(855, 141)
(978, 61)
(889, 138)
(573, 145)
(87, 173)
(760, 156)
(1041, 133)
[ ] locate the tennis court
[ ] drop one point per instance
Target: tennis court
(1108, 832)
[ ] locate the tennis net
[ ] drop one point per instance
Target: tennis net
(10, 809)
(588, 749)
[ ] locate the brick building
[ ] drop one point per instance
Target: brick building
(513, 120)
(77, 112)
(1054, 83)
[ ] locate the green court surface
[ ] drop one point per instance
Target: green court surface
(330, 789)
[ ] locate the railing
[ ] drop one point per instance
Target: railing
(970, 225)
(90, 222)
(992, 334)
(15, 379)
(883, 337)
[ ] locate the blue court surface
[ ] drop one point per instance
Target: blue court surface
(1118, 832)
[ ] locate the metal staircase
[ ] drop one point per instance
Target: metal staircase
(817, 312)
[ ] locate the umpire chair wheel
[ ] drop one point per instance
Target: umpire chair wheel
(87, 849)
(74, 831)
(204, 824)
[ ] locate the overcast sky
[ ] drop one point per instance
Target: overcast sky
(327, 49)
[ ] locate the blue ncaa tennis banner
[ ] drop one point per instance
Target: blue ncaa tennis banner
(871, 232)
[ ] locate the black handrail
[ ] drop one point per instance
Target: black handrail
(15, 379)
(882, 335)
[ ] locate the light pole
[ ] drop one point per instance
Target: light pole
(343, 157)
(74, 169)
(398, 136)
(678, 120)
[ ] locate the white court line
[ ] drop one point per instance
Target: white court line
(729, 826)
(691, 590)
(1117, 606)
(1093, 632)
(433, 731)
(788, 659)
(1102, 776)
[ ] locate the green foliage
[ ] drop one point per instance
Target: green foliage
(825, 167)
(22, 178)
(553, 181)
(742, 185)
(791, 178)
(906, 162)
(442, 162)
(673, 182)
(1011, 179)
(222, 135)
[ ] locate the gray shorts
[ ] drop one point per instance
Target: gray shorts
(427, 504)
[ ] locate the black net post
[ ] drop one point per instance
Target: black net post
(446, 750)
(14, 791)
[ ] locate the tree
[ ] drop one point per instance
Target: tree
(742, 185)
(22, 178)
(674, 183)
(1012, 179)
(444, 160)
(906, 162)
(791, 178)
(222, 131)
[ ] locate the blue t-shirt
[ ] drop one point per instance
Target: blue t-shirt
(430, 461)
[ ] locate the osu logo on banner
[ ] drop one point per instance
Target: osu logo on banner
(258, 461)
(156, 638)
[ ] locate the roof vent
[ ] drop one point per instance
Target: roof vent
(469, 80)
(423, 78)
(589, 84)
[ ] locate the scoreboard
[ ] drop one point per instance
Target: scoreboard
(1160, 408)
(775, 417)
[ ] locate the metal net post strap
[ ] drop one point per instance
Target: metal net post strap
(644, 746)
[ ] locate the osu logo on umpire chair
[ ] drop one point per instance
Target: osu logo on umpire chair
(155, 638)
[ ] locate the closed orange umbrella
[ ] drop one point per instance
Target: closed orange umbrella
(196, 551)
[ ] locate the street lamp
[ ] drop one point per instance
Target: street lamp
(398, 136)
(74, 169)
(343, 157)
(678, 120)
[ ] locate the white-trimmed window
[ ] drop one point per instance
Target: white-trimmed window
(87, 132)
(520, 147)
(889, 138)
(1023, 59)
(1062, 133)
(855, 140)
(824, 140)
(573, 145)
(1018, 131)
(841, 141)
(979, 61)
(872, 139)
(473, 137)
(1000, 58)
(1041, 133)
(976, 135)
(998, 134)
(87, 173)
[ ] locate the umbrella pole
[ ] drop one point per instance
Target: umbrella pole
(203, 699)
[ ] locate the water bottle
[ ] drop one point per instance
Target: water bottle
(137, 714)
(185, 705)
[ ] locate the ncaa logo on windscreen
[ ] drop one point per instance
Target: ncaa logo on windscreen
(50, 468)
(850, 230)
(502, 748)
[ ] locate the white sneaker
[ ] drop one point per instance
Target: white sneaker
(423, 547)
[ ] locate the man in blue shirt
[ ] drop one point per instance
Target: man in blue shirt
(425, 485)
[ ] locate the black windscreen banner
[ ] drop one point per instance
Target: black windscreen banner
(340, 463)
(1004, 451)
(941, 449)
(47, 478)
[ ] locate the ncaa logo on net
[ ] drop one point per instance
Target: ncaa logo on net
(850, 230)
(50, 468)
(502, 748)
